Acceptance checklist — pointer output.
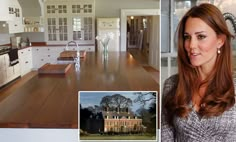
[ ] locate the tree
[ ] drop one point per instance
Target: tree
(144, 115)
(120, 101)
(144, 97)
(116, 101)
(106, 101)
(148, 98)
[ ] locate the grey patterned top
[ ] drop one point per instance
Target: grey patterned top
(196, 129)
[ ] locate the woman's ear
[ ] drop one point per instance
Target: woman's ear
(221, 40)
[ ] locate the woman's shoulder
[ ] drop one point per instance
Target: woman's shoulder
(171, 81)
(170, 84)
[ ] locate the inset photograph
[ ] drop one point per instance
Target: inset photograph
(111, 115)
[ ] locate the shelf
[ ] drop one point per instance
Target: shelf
(33, 24)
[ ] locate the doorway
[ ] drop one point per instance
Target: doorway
(138, 33)
(154, 44)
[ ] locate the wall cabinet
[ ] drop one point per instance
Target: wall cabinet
(69, 21)
(25, 60)
(14, 23)
(4, 10)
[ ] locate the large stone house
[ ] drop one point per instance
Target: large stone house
(115, 121)
(121, 121)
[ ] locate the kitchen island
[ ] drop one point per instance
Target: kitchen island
(51, 101)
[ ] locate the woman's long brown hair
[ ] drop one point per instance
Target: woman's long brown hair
(219, 95)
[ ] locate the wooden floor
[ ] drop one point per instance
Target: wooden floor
(138, 56)
(14, 85)
(143, 60)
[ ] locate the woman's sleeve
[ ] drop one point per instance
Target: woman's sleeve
(167, 131)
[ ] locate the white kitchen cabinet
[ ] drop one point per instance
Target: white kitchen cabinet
(56, 24)
(87, 48)
(2, 70)
(83, 29)
(70, 20)
(25, 60)
(4, 10)
(14, 24)
(57, 30)
(7, 72)
(43, 55)
(12, 71)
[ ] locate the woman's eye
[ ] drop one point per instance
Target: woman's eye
(201, 36)
(186, 37)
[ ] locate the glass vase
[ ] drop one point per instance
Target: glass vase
(105, 50)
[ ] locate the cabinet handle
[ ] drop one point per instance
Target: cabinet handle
(15, 25)
(48, 55)
(37, 49)
(26, 62)
(41, 59)
(22, 52)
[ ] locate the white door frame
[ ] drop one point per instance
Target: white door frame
(132, 12)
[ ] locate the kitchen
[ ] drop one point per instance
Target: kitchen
(41, 51)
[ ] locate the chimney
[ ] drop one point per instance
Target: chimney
(117, 110)
(107, 109)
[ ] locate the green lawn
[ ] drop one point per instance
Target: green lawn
(117, 137)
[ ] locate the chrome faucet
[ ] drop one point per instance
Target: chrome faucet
(67, 45)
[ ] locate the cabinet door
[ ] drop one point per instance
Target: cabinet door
(82, 8)
(15, 11)
(57, 30)
(83, 28)
(39, 56)
(55, 9)
(4, 11)
(2, 70)
(25, 59)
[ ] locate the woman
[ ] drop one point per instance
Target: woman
(199, 102)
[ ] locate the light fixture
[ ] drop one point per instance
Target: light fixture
(132, 17)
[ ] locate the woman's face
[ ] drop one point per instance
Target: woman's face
(201, 43)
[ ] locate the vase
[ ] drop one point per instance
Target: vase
(105, 50)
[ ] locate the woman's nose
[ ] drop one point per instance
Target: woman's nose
(193, 43)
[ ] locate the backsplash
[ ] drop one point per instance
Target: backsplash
(5, 38)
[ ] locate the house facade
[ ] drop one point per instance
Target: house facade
(119, 121)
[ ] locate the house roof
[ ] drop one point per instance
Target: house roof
(112, 114)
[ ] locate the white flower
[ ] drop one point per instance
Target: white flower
(105, 38)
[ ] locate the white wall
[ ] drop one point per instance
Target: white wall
(154, 48)
(112, 8)
(5, 39)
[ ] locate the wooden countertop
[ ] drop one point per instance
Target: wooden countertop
(51, 101)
